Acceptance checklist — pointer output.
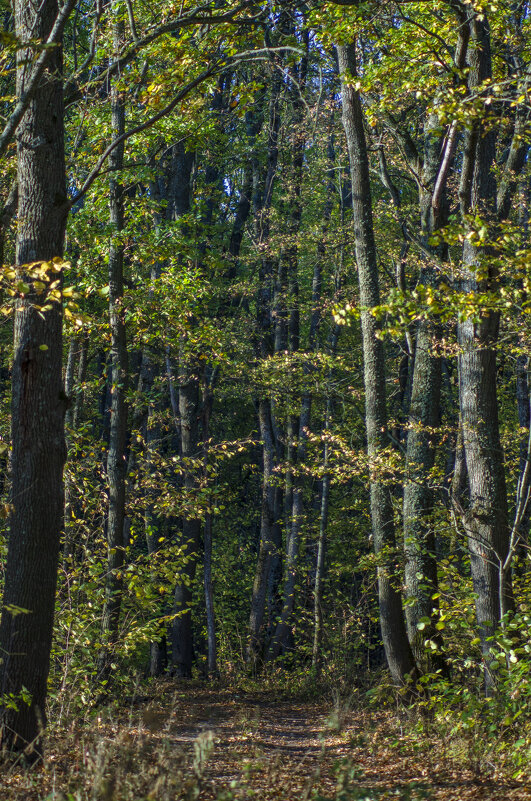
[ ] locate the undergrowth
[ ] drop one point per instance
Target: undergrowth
(159, 744)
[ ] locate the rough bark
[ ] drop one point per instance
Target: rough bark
(419, 534)
(486, 518)
(424, 410)
(38, 400)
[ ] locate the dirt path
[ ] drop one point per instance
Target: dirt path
(269, 748)
(191, 742)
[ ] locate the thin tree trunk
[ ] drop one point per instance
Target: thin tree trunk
(182, 634)
(116, 459)
(289, 320)
(158, 651)
(333, 339)
(397, 648)
(321, 552)
(267, 536)
(81, 375)
(208, 399)
(185, 407)
(419, 534)
(73, 351)
(209, 598)
(524, 421)
(270, 536)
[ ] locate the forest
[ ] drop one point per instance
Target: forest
(265, 441)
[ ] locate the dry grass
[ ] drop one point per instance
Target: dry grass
(189, 741)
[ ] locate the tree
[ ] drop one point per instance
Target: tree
(39, 403)
(397, 648)
(116, 457)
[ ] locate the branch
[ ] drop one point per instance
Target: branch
(386, 178)
(405, 142)
(517, 156)
(132, 23)
(197, 16)
(138, 129)
(449, 151)
(212, 70)
(40, 65)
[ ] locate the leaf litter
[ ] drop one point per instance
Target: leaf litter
(217, 743)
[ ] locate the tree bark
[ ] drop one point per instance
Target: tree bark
(177, 192)
(424, 411)
(38, 400)
(321, 553)
(397, 648)
(486, 519)
(73, 352)
(182, 634)
(270, 533)
(269, 520)
(116, 458)
(208, 401)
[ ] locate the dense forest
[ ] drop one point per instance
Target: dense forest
(264, 388)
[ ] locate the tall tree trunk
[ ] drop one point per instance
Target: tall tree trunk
(424, 410)
(320, 563)
(73, 352)
(186, 400)
(524, 421)
(486, 519)
(321, 551)
(158, 652)
(116, 460)
(171, 189)
(39, 403)
(523, 402)
(269, 520)
(270, 534)
(397, 648)
(419, 534)
(208, 400)
(81, 374)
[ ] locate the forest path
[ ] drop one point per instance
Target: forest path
(190, 741)
(262, 746)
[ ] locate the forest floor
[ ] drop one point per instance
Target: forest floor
(193, 741)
